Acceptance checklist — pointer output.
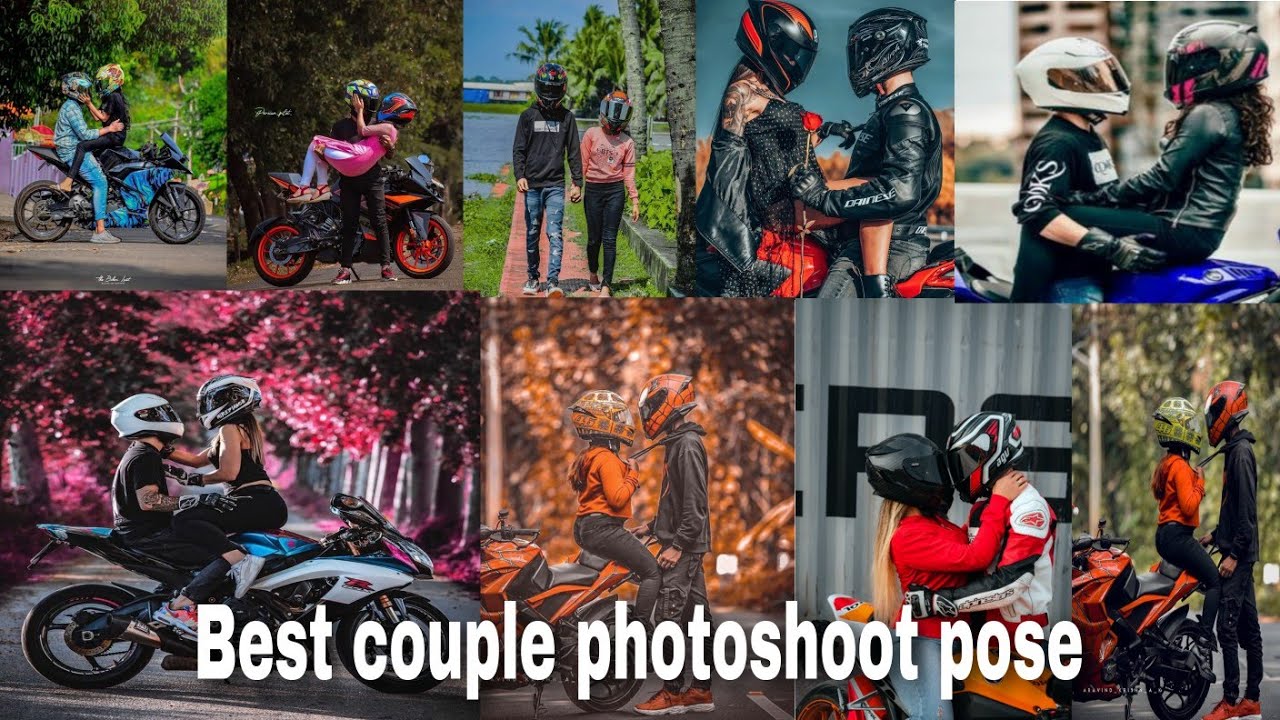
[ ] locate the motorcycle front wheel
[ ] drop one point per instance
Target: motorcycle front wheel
(824, 703)
(1179, 698)
(176, 220)
(55, 650)
(31, 212)
(427, 257)
(272, 263)
(418, 610)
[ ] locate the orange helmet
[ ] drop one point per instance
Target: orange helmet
(666, 399)
(603, 415)
(1226, 406)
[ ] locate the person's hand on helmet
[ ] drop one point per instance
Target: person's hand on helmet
(1125, 253)
(217, 501)
(1011, 485)
(926, 603)
(357, 103)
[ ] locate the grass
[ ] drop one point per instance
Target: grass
(494, 108)
(485, 251)
(630, 277)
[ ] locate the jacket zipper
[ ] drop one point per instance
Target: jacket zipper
(1187, 202)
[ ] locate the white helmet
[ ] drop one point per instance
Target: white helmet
(226, 398)
(146, 415)
(1077, 75)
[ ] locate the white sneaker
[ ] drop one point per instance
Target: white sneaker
(245, 573)
(104, 238)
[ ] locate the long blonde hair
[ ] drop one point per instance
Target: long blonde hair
(253, 429)
(886, 589)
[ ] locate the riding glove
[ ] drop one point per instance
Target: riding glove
(217, 501)
(1125, 253)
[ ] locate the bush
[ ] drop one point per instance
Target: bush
(656, 181)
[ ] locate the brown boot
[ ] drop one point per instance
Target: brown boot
(696, 700)
(662, 703)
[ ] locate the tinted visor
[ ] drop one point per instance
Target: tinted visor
(928, 469)
(616, 111)
(1104, 76)
(649, 403)
(159, 413)
(794, 59)
(963, 463)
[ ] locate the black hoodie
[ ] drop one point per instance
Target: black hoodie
(683, 518)
(1237, 531)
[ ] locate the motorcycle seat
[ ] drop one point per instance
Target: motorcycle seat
(993, 290)
(1169, 570)
(1154, 583)
(595, 562)
(291, 178)
(572, 574)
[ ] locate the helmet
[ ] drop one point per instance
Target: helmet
(779, 41)
(1077, 75)
(615, 111)
(1225, 407)
(227, 398)
(1211, 59)
(549, 84)
(76, 84)
(397, 108)
(980, 450)
(910, 469)
(146, 415)
(109, 79)
(364, 89)
(882, 44)
(1177, 423)
(603, 415)
(665, 400)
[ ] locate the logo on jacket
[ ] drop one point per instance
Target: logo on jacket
(858, 202)
(1034, 518)
(357, 584)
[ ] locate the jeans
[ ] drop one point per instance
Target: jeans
(922, 697)
(605, 536)
(86, 147)
(536, 201)
(1176, 543)
(1238, 628)
(603, 205)
(374, 195)
(92, 173)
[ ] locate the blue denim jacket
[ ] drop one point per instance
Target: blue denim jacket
(70, 130)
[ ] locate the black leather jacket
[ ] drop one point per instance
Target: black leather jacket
(1197, 179)
(683, 519)
(721, 214)
(900, 151)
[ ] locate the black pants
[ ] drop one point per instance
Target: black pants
(166, 544)
(1238, 628)
(684, 587)
(1176, 543)
(605, 536)
(603, 203)
(374, 194)
(1042, 262)
(102, 142)
(708, 279)
(257, 508)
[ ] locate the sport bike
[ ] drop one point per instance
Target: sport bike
(810, 261)
(861, 698)
(513, 567)
(96, 635)
(142, 191)
(1210, 281)
(286, 248)
(1135, 630)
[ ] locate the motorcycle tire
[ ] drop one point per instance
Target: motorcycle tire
(39, 655)
(422, 268)
(605, 695)
(190, 200)
(279, 274)
(23, 226)
(1184, 638)
(824, 703)
(416, 606)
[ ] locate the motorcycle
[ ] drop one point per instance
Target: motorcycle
(284, 249)
(811, 265)
(142, 191)
(861, 698)
(1209, 281)
(1135, 630)
(513, 567)
(96, 635)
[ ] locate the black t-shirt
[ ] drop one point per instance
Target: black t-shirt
(346, 131)
(545, 139)
(141, 466)
(116, 108)
(1061, 158)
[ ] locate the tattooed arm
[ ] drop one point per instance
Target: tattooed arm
(152, 500)
(744, 100)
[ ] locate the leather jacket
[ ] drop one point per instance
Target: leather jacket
(683, 519)
(721, 214)
(1197, 179)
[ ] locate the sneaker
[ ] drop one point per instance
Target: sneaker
(1224, 710)
(530, 287)
(553, 289)
(606, 291)
(662, 703)
(344, 277)
(1249, 710)
(696, 700)
(104, 238)
(593, 284)
(184, 620)
(387, 275)
(245, 573)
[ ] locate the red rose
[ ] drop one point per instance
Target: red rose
(812, 121)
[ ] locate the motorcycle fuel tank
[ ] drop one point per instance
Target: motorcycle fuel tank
(1211, 281)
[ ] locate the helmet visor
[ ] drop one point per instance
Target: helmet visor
(158, 414)
(1104, 76)
(962, 464)
(928, 469)
(615, 110)
(794, 59)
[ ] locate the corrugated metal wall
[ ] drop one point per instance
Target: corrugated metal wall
(867, 370)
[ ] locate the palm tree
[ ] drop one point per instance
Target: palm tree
(677, 19)
(636, 88)
(542, 44)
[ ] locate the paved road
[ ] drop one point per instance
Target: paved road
(321, 278)
(1270, 687)
(744, 699)
(157, 693)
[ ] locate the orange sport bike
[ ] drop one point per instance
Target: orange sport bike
(1135, 630)
(513, 567)
(285, 248)
(861, 698)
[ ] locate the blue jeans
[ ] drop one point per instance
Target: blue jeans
(92, 173)
(922, 697)
(537, 200)
(1077, 290)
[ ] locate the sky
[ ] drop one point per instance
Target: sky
(986, 51)
(826, 91)
(490, 31)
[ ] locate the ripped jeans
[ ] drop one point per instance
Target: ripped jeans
(536, 201)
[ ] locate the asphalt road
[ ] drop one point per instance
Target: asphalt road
(744, 699)
(140, 262)
(157, 693)
(321, 278)
(1114, 709)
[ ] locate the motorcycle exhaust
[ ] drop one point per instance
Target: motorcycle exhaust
(133, 630)
(174, 662)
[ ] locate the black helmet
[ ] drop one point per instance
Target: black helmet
(1213, 58)
(980, 450)
(882, 44)
(549, 84)
(779, 41)
(911, 470)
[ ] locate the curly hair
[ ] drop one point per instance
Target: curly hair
(1256, 112)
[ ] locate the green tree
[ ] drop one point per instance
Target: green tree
(542, 44)
(595, 60)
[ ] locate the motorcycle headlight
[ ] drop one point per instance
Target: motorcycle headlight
(421, 557)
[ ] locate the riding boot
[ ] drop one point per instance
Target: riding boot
(878, 286)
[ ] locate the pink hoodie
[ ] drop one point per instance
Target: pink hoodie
(609, 158)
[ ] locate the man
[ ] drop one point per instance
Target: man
(1237, 537)
(898, 151)
(546, 137)
(682, 526)
(367, 187)
(68, 132)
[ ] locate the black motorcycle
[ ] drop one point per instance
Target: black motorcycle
(285, 248)
(141, 192)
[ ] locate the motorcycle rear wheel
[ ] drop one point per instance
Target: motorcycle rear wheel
(429, 258)
(1184, 701)
(281, 271)
(824, 703)
(36, 192)
(418, 608)
(41, 620)
(176, 225)
(605, 695)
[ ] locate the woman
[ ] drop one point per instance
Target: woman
(917, 545)
(353, 159)
(605, 484)
(609, 168)
(69, 131)
(225, 402)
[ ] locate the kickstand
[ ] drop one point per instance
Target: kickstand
(355, 274)
(539, 710)
(1128, 706)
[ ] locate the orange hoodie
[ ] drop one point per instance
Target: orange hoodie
(1178, 488)
(604, 483)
